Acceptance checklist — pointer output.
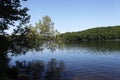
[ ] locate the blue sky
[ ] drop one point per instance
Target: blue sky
(76, 15)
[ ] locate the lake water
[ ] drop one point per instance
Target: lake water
(76, 61)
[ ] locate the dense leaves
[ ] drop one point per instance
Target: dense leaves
(100, 33)
(12, 14)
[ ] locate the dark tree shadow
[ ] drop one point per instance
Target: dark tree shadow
(37, 70)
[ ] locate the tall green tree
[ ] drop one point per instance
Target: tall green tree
(12, 13)
(45, 27)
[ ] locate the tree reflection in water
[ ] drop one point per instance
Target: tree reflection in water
(28, 70)
(37, 70)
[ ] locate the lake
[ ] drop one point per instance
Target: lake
(93, 60)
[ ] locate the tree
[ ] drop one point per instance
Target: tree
(12, 13)
(43, 28)
(42, 35)
(46, 27)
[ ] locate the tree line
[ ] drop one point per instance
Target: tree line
(99, 33)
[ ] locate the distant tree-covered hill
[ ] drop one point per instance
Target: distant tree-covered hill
(99, 33)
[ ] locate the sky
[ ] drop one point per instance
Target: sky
(75, 15)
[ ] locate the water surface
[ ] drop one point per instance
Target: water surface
(93, 60)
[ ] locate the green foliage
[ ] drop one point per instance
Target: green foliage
(43, 30)
(100, 33)
(42, 35)
(12, 13)
(45, 27)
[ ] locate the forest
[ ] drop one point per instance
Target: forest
(98, 33)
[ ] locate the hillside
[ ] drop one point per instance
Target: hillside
(99, 33)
